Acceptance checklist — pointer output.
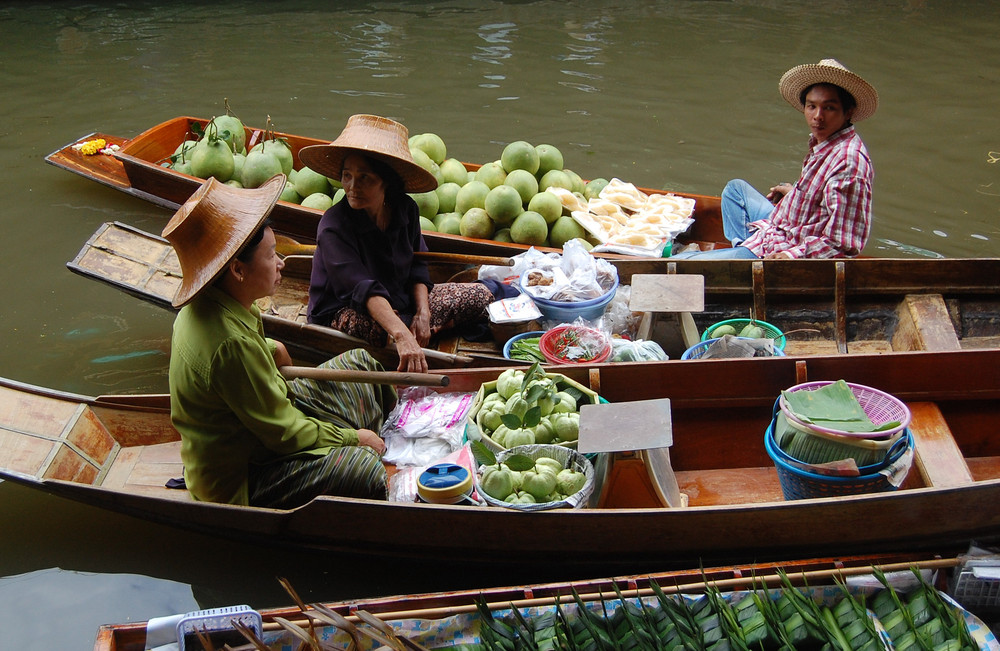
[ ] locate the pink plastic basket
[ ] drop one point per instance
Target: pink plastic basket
(880, 407)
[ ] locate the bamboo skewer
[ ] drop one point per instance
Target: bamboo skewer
(753, 581)
(368, 377)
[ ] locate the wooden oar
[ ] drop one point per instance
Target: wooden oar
(287, 246)
(367, 377)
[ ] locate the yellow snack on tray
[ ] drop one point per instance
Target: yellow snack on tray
(92, 147)
(624, 194)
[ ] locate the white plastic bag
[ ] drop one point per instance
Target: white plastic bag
(424, 425)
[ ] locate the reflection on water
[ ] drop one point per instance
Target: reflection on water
(678, 95)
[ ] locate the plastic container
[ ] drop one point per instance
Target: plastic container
(699, 349)
(770, 331)
(548, 341)
(217, 624)
(565, 311)
(524, 335)
(444, 483)
(880, 407)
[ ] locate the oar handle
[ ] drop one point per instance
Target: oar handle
(463, 258)
(367, 377)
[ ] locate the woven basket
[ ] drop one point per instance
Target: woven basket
(880, 407)
(798, 484)
(770, 331)
(570, 458)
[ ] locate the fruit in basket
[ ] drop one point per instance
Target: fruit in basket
(567, 426)
(519, 436)
(565, 404)
(497, 481)
(548, 464)
(569, 481)
(509, 382)
(752, 330)
(539, 483)
(723, 330)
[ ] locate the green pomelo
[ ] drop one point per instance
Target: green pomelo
(555, 179)
(280, 150)
(529, 228)
(524, 182)
(447, 196)
(427, 225)
(519, 155)
(578, 184)
(451, 223)
(258, 167)
(565, 229)
(427, 202)
(182, 166)
(470, 177)
(549, 158)
(502, 235)
(291, 176)
(548, 205)
(436, 172)
(492, 174)
(308, 181)
(319, 201)
(236, 184)
(594, 187)
(338, 195)
(237, 135)
(472, 195)
(335, 183)
(212, 157)
(238, 160)
(431, 144)
(290, 194)
(476, 223)
(421, 158)
(503, 204)
(184, 147)
(584, 243)
(453, 171)
(436, 220)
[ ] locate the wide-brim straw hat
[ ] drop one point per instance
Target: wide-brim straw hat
(829, 71)
(378, 137)
(213, 226)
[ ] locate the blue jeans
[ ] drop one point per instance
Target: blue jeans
(741, 205)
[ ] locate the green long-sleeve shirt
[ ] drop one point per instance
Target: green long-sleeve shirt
(230, 403)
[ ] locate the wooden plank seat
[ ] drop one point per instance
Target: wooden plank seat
(936, 454)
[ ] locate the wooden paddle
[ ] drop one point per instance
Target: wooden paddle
(287, 246)
(367, 377)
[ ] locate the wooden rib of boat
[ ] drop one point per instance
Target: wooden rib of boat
(827, 306)
(116, 452)
(136, 169)
(435, 606)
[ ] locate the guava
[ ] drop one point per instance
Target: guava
(517, 405)
(538, 484)
(548, 464)
(497, 482)
(509, 382)
(565, 404)
(567, 426)
(570, 481)
(517, 437)
(544, 431)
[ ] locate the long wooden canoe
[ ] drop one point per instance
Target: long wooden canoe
(827, 306)
(136, 169)
(116, 452)
(443, 609)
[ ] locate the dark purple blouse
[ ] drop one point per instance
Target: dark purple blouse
(355, 260)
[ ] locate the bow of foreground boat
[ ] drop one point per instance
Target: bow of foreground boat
(137, 168)
(117, 453)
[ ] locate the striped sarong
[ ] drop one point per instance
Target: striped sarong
(349, 471)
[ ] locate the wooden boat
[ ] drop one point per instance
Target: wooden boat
(434, 608)
(826, 306)
(116, 452)
(136, 169)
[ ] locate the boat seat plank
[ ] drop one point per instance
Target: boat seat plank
(924, 324)
(730, 486)
(984, 468)
(937, 456)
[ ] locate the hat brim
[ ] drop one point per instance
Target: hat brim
(213, 226)
(328, 160)
(801, 77)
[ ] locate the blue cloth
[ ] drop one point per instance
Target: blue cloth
(735, 253)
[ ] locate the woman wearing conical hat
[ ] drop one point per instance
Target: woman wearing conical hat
(365, 279)
(827, 212)
(248, 436)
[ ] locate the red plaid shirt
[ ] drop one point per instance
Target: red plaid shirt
(828, 212)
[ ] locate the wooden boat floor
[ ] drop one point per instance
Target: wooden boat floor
(145, 470)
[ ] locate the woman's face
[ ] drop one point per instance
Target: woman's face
(262, 274)
(364, 189)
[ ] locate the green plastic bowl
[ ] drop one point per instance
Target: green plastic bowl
(770, 331)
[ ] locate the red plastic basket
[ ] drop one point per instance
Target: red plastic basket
(548, 342)
(880, 407)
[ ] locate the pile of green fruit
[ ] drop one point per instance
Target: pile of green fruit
(530, 407)
(751, 330)
(504, 200)
(521, 480)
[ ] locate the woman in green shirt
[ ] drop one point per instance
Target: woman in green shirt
(248, 436)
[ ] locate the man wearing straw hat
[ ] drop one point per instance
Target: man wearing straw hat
(246, 436)
(827, 212)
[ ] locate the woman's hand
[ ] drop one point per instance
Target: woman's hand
(411, 355)
(370, 439)
(421, 327)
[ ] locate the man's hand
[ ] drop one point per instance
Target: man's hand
(778, 192)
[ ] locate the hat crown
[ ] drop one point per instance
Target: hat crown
(829, 71)
(376, 134)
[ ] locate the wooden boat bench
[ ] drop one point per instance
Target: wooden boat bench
(936, 454)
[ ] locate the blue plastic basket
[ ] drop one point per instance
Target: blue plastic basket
(696, 351)
(524, 335)
(567, 312)
(798, 484)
